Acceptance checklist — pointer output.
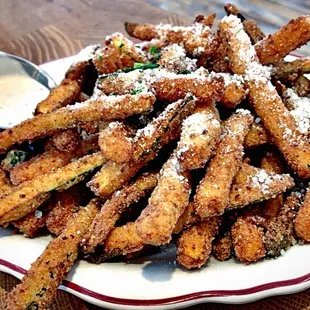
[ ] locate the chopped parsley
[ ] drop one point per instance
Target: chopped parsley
(137, 90)
(100, 58)
(141, 66)
(14, 157)
(185, 72)
(154, 50)
(121, 45)
(239, 30)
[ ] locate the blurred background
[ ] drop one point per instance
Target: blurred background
(44, 30)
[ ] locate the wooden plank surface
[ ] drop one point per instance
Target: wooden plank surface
(44, 30)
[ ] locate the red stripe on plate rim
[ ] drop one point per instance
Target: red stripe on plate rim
(171, 300)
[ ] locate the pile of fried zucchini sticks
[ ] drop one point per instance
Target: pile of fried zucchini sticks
(198, 136)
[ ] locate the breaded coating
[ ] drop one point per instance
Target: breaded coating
(63, 206)
(126, 47)
(12, 205)
(279, 232)
(116, 143)
(204, 88)
(111, 211)
(285, 68)
(212, 194)
(222, 247)
(272, 162)
(302, 86)
(97, 108)
(123, 240)
(265, 99)
(234, 91)
(248, 240)
(31, 224)
(187, 219)
(254, 32)
(256, 136)
(66, 140)
(195, 244)
(5, 184)
(220, 59)
(148, 141)
(40, 165)
(197, 38)
(166, 204)
(65, 93)
(253, 185)
(230, 8)
(276, 46)
(77, 71)
(200, 135)
(39, 285)
(302, 220)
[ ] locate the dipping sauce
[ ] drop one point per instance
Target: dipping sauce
(19, 95)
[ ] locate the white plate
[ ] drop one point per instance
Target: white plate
(155, 282)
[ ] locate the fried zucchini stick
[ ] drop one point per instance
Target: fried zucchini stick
(285, 68)
(247, 238)
(111, 211)
(123, 240)
(5, 185)
(279, 232)
(148, 142)
(39, 285)
(302, 221)
(195, 244)
(222, 247)
(66, 93)
(66, 140)
(271, 162)
(166, 204)
(276, 46)
(256, 136)
(12, 205)
(266, 101)
(96, 108)
(200, 135)
(116, 143)
(197, 38)
(63, 206)
(253, 185)
(212, 194)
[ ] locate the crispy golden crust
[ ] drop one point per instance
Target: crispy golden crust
(220, 59)
(231, 9)
(200, 135)
(256, 136)
(116, 143)
(12, 205)
(66, 93)
(222, 247)
(279, 232)
(253, 185)
(195, 244)
(233, 94)
(123, 240)
(283, 128)
(254, 32)
(5, 185)
(99, 108)
(205, 89)
(66, 140)
(166, 204)
(144, 32)
(108, 60)
(39, 285)
(275, 47)
(206, 20)
(302, 222)
(110, 212)
(212, 194)
(64, 205)
(285, 68)
(40, 165)
(148, 142)
(302, 86)
(247, 240)
(187, 219)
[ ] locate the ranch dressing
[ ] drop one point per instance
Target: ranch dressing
(19, 95)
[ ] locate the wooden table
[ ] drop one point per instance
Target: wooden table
(42, 31)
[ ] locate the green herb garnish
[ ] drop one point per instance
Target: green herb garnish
(142, 67)
(185, 72)
(154, 50)
(121, 45)
(100, 57)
